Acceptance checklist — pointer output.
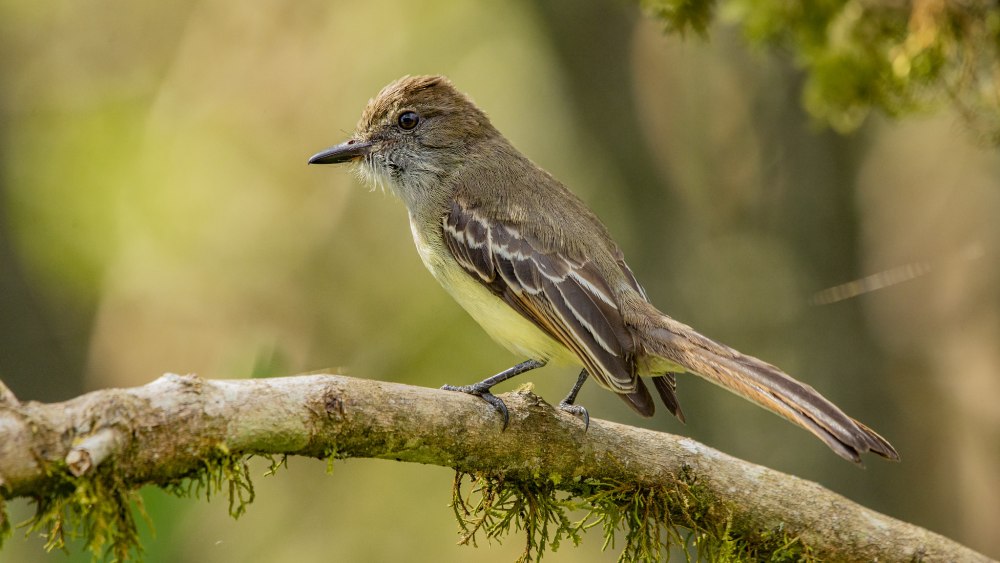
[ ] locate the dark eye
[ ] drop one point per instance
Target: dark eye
(408, 120)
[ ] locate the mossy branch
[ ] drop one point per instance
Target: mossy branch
(82, 460)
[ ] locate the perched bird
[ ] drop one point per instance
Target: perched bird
(540, 272)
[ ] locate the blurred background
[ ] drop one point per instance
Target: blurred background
(157, 214)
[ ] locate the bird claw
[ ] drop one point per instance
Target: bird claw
(498, 405)
(577, 411)
(484, 394)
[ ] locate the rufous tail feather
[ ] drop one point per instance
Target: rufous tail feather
(763, 384)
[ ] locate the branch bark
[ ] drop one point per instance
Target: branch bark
(160, 432)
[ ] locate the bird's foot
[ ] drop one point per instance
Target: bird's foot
(482, 389)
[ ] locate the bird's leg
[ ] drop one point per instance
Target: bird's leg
(482, 389)
(576, 410)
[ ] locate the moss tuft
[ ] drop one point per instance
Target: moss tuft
(225, 472)
(100, 508)
(276, 463)
(4, 522)
(649, 520)
(534, 507)
(96, 508)
(331, 455)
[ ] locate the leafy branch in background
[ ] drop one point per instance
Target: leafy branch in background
(898, 57)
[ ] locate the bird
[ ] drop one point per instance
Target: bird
(539, 271)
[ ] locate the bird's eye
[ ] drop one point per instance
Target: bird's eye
(408, 120)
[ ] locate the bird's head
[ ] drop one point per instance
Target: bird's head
(415, 131)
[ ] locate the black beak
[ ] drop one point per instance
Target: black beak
(344, 152)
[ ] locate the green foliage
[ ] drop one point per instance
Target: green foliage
(649, 519)
(896, 57)
(681, 15)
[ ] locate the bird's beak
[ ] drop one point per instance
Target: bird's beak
(344, 152)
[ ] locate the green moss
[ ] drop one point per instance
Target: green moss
(550, 510)
(331, 455)
(97, 508)
(276, 464)
(534, 507)
(100, 508)
(225, 472)
(4, 523)
(648, 520)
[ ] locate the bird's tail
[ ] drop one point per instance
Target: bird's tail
(763, 384)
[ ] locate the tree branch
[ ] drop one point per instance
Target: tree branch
(164, 431)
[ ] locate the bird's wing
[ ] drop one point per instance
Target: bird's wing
(567, 298)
